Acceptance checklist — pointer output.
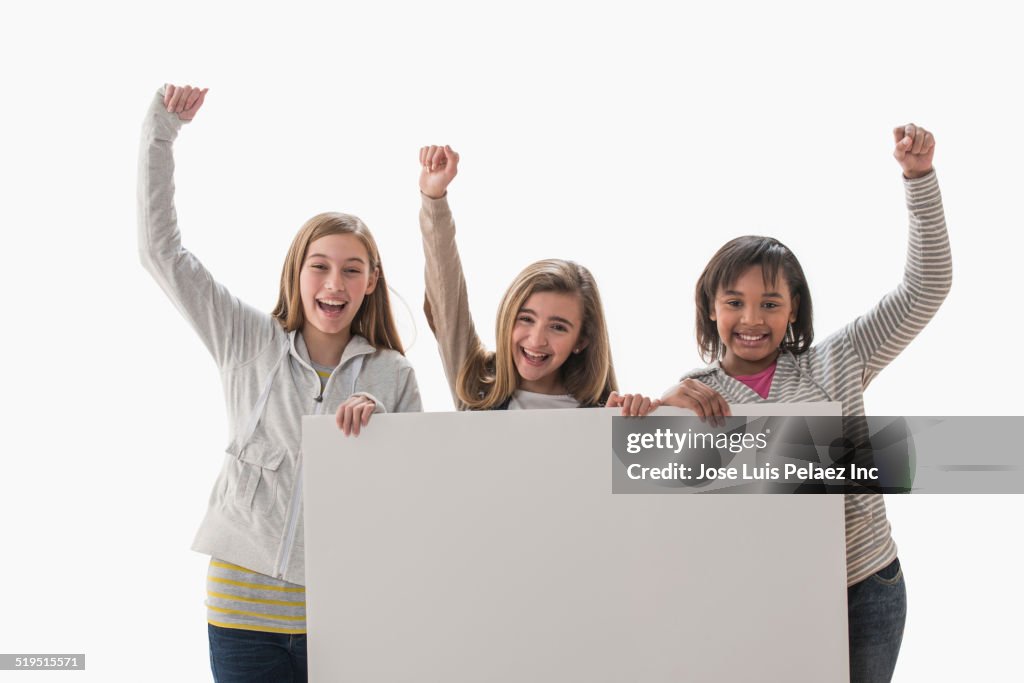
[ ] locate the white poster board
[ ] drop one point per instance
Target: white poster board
(488, 547)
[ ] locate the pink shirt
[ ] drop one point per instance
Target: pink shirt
(761, 382)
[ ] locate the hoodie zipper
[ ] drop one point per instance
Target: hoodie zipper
(294, 507)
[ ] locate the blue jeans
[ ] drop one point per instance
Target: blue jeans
(877, 610)
(239, 656)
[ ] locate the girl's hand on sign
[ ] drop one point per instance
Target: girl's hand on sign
(353, 413)
(700, 398)
(633, 405)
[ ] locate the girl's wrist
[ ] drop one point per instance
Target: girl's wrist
(914, 175)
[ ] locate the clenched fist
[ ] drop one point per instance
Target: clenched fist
(438, 166)
(914, 149)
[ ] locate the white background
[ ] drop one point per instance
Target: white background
(634, 139)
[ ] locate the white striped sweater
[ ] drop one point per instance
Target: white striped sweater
(841, 367)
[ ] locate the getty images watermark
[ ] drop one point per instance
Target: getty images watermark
(818, 455)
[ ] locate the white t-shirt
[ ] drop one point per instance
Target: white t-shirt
(531, 400)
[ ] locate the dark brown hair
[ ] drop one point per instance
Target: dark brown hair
(728, 265)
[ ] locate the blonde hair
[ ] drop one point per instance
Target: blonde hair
(373, 320)
(488, 379)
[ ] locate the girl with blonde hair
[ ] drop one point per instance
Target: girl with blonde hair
(330, 345)
(552, 340)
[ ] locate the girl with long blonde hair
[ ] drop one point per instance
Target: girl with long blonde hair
(552, 339)
(329, 346)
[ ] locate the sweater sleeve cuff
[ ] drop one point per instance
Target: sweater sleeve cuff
(163, 124)
(378, 406)
(923, 190)
(436, 208)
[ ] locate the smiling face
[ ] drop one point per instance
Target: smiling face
(546, 332)
(752, 318)
(335, 277)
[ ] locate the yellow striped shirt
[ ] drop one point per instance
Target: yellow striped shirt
(237, 597)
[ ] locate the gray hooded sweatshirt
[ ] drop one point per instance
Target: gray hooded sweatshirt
(254, 518)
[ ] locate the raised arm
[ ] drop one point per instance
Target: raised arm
(230, 330)
(879, 336)
(446, 303)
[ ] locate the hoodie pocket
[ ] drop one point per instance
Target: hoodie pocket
(255, 486)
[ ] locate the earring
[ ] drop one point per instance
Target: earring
(790, 339)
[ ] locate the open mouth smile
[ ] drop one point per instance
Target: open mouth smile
(535, 359)
(331, 308)
(750, 339)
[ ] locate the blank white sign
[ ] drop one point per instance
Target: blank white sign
(488, 546)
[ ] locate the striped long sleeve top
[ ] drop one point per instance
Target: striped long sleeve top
(841, 367)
